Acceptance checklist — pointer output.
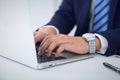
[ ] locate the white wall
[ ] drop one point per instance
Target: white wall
(42, 11)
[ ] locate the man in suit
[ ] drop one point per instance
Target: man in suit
(77, 12)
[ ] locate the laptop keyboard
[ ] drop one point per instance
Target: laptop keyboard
(43, 58)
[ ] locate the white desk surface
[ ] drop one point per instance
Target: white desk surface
(90, 69)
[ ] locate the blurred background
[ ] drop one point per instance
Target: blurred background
(42, 11)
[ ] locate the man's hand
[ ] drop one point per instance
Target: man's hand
(42, 33)
(51, 41)
(62, 43)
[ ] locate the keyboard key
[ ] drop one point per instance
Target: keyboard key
(43, 58)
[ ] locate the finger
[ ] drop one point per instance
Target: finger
(59, 50)
(47, 38)
(44, 47)
(37, 37)
(35, 33)
(51, 47)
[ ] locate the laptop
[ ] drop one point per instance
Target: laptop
(17, 40)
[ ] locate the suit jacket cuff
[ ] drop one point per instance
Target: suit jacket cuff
(104, 44)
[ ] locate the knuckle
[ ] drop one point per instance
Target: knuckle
(47, 37)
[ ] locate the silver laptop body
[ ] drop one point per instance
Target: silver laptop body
(17, 40)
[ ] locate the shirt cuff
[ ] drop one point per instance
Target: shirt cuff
(104, 44)
(51, 27)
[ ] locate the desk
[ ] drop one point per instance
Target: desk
(90, 69)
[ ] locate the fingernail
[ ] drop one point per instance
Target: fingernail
(39, 53)
(48, 55)
(56, 55)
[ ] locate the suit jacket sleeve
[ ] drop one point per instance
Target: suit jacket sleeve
(64, 17)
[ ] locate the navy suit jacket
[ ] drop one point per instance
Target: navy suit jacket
(77, 12)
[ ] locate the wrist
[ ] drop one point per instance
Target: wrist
(103, 43)
(48, 31)
(98, 44)
(94, 42)
(91, 41)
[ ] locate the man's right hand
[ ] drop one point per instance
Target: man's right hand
(42, 33)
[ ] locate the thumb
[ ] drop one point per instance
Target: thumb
(36, 37)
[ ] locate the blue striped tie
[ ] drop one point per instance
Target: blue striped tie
(101, 15)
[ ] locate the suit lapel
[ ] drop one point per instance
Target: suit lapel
(113, 4)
